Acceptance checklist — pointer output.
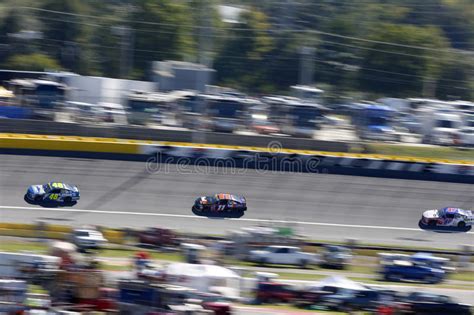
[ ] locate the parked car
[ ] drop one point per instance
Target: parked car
(351, 300)
(335, 256)
(433, 261)
(82, 112)
(105, 301)
(422, 303)
(317, 294)
(466, 137)
(114, 113)
(285, 255)
(274, 292)
(159, 237)
(420, 257)
(263, 126)
(88, 238)
(412, 271)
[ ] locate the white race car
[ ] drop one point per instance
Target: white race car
(447, 217)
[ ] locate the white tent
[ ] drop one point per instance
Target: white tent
(204, 278)
(338, 282)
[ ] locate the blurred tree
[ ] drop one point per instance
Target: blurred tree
(402, 69)
(67, 26)
(208, 30)
(261, 54)
(454, 17)
(11, 23)
(456, 80)
(282, 68)
(32, 62)
(68, 33)
(162, 31)
(243, 59)
(337, 57)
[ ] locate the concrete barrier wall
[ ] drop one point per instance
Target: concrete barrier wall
(273, 158)
(142, 133)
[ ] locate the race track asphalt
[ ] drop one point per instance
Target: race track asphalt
(321, 206)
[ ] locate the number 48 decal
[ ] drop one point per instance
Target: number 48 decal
(53, 196)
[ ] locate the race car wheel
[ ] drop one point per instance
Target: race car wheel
(68, 200)
(37, 198)
(462, 224)
(432, 223)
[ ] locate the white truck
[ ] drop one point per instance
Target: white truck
(88, 238)
(440, 126)
(284, 255)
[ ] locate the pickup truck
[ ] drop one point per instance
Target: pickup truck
(87, 238)
(410, 271)
(283, 255)
(275, 292)
(335, 257)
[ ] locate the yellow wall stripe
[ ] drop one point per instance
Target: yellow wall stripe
(111, 145)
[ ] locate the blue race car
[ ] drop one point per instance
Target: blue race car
(53, 192)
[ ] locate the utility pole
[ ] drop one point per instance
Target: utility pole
(429, 87)
(126, 49)
(287, 12)
(130, 51)
(306, 72)
(205, 60)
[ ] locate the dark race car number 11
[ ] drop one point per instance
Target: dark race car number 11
(220, 204)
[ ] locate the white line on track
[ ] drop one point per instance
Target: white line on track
(170, 215)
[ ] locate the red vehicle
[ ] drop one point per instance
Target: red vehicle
(219, 308)
(159, 237)
(274, 292)
(107, 300)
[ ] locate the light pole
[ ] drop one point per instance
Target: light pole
(126, 48)
(306, 65)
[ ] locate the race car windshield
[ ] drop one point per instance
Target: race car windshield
(46, 188)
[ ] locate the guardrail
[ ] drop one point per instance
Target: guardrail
(121, 237)
(271, 158)
(52, 231)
